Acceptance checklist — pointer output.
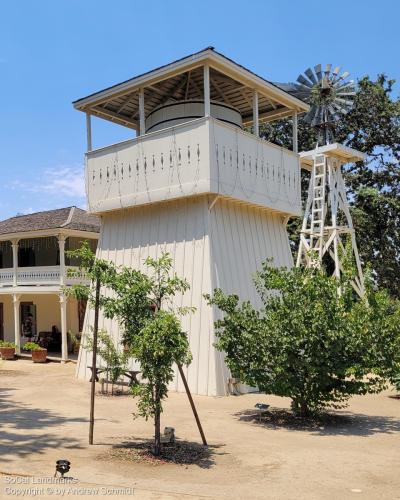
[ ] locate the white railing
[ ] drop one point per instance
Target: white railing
(6, 276)
(197, 157)
(39, 276)
(254, 170)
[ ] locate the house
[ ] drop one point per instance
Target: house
(198, 182)
(33, 274)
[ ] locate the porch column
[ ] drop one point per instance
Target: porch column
(17, 323)
(15, 246)
(89, 131)
(64, 336)
(142, 118)
(295, 141)
(61, 245)
(255, 114)
(206, 83)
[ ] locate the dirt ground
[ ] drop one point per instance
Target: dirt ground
(44, 417)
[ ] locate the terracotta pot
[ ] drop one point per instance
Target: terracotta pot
(39, 356)
(7, 352)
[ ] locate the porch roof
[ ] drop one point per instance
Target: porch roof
(230, 83)
(72, 218)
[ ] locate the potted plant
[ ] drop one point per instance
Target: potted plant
(39, 354)
(74, 341)
(7, 349)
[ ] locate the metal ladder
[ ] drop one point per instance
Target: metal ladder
(318, 206)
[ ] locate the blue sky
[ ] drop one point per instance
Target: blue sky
(53, 52)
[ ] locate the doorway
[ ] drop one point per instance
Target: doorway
(28, 321)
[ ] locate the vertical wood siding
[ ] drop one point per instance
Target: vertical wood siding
(221, 247)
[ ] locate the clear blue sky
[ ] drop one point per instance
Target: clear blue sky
(53, 52)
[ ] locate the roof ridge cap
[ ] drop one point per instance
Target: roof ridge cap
(69, 219)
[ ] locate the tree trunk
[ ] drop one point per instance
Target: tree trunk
(94, 360)
(300, 407)
(157, 424)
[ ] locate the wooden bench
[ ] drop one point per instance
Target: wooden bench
(130, 374)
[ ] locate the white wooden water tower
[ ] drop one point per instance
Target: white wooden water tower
(195, 183)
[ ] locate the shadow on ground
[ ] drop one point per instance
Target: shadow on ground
(137, 450)
(20, 423)
(326, 424)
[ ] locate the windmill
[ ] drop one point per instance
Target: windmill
(329, 94)
(327, 226)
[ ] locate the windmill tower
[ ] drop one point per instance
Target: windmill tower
(195, 184)
(327, 230)
(327, 226)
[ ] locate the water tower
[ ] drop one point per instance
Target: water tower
(194, 182)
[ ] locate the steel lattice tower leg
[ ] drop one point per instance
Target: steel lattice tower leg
(327, 223)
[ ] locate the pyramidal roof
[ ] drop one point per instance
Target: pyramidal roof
(60, 218)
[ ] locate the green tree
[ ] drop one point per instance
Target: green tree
(116, 359)
(373, 127)
(308, 342)
(143, 306)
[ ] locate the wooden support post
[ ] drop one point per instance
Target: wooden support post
(61, 246)
(206, 83)
(256, 129)
(15, 246)
(94, 359)
(17, 323)
(64, 335)
(142, 117)
(295, 139)
(196, 416)
(89, 132)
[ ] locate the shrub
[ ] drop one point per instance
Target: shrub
(32, 346)
(4, 343)
(309, 342)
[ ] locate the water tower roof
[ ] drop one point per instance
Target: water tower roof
(230, 83)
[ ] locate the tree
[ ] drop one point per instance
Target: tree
(373, 127)
(100, 273)
(152, 330)
(116, 359)
(309, 342)
(160, 345)
(152, 333)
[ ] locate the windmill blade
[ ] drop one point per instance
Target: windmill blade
(318, 71)
(346, 87)
(295, 89)
(302, 90)
(310, 74)
(310, 115)
(342, 110)
(340, 84)
(328, 70)
(304, 81)
(335, 115)
(345, 75)
(346, 102)
(335, 73)
(319, 117)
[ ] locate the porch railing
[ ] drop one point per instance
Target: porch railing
(39, 276)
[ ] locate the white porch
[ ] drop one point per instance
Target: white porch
(53, 316)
